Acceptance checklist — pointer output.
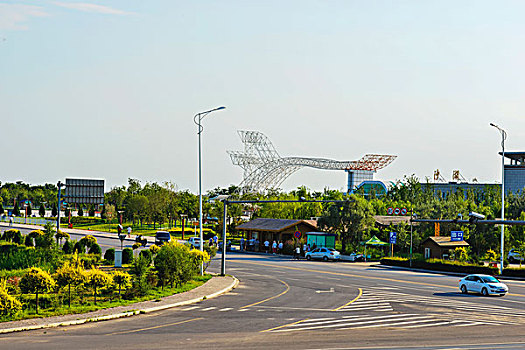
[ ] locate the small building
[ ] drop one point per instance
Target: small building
(321, 239)
(261, 229)
(440, 247)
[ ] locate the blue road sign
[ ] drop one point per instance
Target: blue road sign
(456, 236)
(393, 237)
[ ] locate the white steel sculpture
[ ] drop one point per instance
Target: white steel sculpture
(264, 168)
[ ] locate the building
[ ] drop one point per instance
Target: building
(514, 172)
(440, 247)
(262, 229)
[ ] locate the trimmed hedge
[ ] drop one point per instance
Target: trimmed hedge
(441, 265)
(514, 272)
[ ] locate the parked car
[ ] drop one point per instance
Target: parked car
(162, 237)
(357, 257)
(514, 256)
(195, 242)
(323, 254)
(484, 284)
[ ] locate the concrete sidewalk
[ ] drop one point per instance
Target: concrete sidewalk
(214, 287)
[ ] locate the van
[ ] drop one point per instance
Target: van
(162, 237)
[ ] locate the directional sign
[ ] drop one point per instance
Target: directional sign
(297, 234)
(456, 236)
(390, 211)
(393, 237)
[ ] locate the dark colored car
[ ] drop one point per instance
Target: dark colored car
(162, 237)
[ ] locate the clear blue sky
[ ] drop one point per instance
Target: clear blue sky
(108, 89)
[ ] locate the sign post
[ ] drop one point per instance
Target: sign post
(393, 239)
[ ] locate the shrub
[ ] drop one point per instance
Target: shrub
(28, 241)
(127, 255)
(79, 247)
(14, 256)
(9, 305)
(109, 255)
(18, 237)
(174, 264)
(36, 281)
(88, 241)
(60, 235)
(514, 272)
(147, 254)
(136, 246)
(68, 247)
(211, 250)
(95, 250)
(154, 249)
(9, 235)
(44, 240)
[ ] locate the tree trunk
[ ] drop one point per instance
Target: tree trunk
(119, 292)
(95, 295)
(69, 295)
(36, 301)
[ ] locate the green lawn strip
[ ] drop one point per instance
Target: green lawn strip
(176, 232)
(103, 303)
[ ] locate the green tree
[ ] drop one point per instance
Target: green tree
(520, 248)
(42, 210)
(140, 270)
(1, 208)
(29, 210)
(68, 275)
(54, 211)
(121, 279)
(80, 211)
(97, 279)
(16, 210)
(36, 281)
(351, 219)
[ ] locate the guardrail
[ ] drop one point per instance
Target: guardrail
(28, 221)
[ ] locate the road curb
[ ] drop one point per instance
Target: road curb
(232, 285)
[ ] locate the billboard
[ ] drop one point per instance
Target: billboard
(84, 191)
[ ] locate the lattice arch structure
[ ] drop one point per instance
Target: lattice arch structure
(264, 168)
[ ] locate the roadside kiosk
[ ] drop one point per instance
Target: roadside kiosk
(321, 239)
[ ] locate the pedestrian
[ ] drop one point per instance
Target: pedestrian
(280, 247)
(267, 246)
(274, 247)
(242, 243)
(297, 253)
(215, 240)
(210, 242)
(129, 231)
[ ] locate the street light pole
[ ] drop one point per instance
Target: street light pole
(503, 138)
(197, 120)
(411, 230)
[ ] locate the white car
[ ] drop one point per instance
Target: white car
(323, 254)
(514, 256)
(484, 284)
(195, 242)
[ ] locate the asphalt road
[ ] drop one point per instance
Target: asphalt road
(105, 243)
(281, 303)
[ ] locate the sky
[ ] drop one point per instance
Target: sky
(108, 89)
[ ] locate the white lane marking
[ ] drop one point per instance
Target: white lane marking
(226, 309)
(191, 308)
(209, 308)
